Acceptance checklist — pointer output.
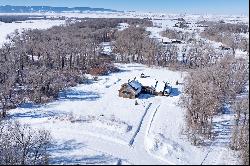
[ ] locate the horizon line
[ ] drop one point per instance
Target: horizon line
(180, 12)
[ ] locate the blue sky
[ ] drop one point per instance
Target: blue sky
(174, 6)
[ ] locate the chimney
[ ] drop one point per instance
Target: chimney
(156, 84)
(165, 86)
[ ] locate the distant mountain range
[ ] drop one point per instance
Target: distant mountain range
(33, 9)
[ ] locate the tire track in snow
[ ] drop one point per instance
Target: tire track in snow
(131, 142)
(147, 134)
(152, 119)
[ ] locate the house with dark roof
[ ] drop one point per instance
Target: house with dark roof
(144, 85)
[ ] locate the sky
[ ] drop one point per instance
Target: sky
(171, 6)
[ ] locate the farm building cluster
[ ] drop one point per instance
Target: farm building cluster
(144, 85)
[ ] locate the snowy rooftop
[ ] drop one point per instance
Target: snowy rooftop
(137, 86)
(152, 82)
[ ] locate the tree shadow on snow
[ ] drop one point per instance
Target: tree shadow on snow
(84, 159)
(78, 95)
(35, 110)
(35, 114)
(62, 151)
(66, 146)
(30, 105)
(222, 134)
(87, 81)
(122, 70)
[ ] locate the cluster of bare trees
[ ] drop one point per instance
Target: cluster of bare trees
(199, 54)
(221, 26)
(36, 64)
(228, 34)
(22, 145)
(174, 34)
(207, 90)
(240, 134)
(134, 45)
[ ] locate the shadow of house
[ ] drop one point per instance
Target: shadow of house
(145, 96)
(175, 92)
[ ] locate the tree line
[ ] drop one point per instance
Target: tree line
(231, 35)
(36, 64)
(18, 18)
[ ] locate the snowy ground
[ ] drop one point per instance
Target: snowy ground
(92, 125)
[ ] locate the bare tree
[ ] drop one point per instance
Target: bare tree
(240, 134)
(206, 91)
(21, 145)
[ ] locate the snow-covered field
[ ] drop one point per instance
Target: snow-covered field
(91, 124)
(7, 28)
